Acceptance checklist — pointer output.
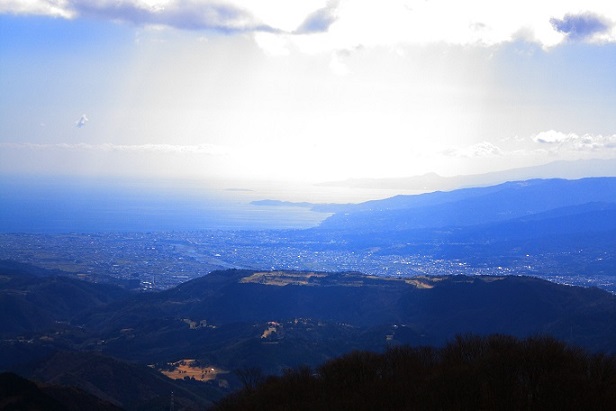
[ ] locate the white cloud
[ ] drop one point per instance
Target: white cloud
(557, 140)
(473, 22)
(223, 15)
(541, 148)
(479, 150)
(184, 14)
(552, 136)
(349, 23)
(283, 15)
(58, 8)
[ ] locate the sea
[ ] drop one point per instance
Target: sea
(52, 204)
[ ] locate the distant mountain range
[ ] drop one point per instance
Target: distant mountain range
(434, 182)
(530, 200)
(271, 320)
(467, 206)
(513, 209)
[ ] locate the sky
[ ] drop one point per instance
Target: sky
(248, 93)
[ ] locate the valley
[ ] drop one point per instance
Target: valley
(156, 261)
(560, 230)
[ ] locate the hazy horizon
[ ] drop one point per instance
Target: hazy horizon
(253, 100)
(62, 204)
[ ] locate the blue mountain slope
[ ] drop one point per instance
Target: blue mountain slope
(467, 207)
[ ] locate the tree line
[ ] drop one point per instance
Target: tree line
(469, 373)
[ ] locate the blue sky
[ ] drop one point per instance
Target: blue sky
(248, 93)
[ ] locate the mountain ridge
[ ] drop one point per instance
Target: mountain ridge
(473, 205)
(435, 182)
(275, 320)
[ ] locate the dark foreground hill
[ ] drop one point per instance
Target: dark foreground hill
(469, 373)
(115, 347)
(20, 394)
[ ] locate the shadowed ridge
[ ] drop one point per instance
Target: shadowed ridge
(17, 393)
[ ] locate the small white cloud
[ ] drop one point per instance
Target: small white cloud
(82, 121)
(574, 142)
(479, 150)
(57, 8)
(223, 16)
(552, 137)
